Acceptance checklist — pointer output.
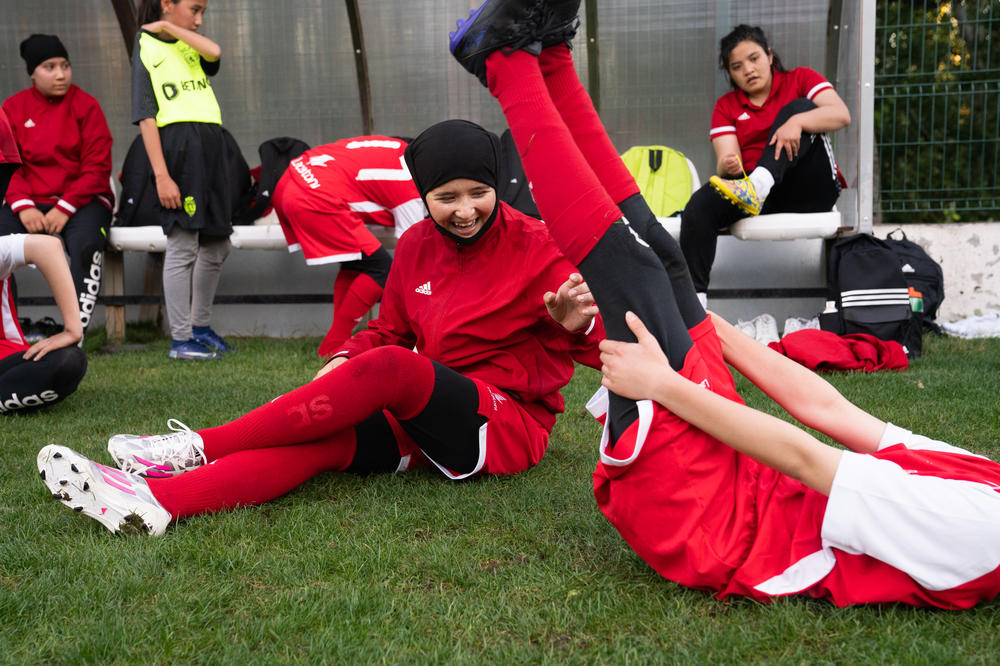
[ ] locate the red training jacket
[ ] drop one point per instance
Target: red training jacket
(65, 150)
(478, 310)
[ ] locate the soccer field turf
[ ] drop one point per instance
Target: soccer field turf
(412, 567)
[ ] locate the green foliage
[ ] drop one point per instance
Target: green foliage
(413, 568)
(937, 110)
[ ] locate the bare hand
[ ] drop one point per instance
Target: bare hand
(33, 220)
(573, 305)
(168, 192)
(55, 220)
(156, 27)
(731, 165)
(38, 350)
(635, 370)
(333, 363)
(787, 138)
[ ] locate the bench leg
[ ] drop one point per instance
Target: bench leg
(114, 285)
(152, 286)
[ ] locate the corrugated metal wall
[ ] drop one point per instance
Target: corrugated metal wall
(288, 67)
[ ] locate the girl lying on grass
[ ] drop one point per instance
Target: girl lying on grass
(712, 494)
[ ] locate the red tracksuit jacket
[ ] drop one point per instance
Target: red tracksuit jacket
(478, 310)
(65, 149)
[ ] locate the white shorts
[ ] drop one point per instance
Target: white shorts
(943, 532)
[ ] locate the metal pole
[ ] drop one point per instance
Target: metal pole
(593, 55)
(127, 22)
(866, 119)
(361, 65)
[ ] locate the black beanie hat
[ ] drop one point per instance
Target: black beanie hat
(38, 48)
(454, 149)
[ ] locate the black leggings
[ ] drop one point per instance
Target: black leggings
(84, 238)
(375, 265)
(447, 429)
(29, 385)
(624, 275)
(805, 184)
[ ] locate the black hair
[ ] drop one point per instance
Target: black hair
(150, 10)
(745, 33)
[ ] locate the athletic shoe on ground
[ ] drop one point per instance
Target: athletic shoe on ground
(560, 22)
(793, 324)
(121, 502)
(159, 456)
(497, 24)
(192, 350)
(765, 328)
(209, 338)
(741, 193)
(747, 328)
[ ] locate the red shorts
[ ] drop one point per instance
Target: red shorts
(510, 441)
(325, 228)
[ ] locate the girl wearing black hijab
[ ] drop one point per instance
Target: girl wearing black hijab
(495, 314)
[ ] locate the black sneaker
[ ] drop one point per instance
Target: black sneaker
(497, 24)
(560, 22)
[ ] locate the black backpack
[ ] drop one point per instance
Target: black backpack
(867, 293)
(921, 273)
(275, 156)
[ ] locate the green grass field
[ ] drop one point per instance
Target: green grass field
(413, 568)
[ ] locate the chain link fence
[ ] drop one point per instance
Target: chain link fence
(937, 111)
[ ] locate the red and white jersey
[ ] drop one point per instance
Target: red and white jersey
(11, 258)
(478, 309)
(366, 172)
(65, 151)
(9, 153)
(735, 114)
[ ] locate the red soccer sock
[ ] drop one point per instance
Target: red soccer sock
(358, 298)
(570, 198)
(389, 377)
(247, 478)
(580, 116)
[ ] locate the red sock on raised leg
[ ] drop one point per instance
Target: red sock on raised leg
(577, 215)
(585, 126)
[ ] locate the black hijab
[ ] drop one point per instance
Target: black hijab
(455, 149)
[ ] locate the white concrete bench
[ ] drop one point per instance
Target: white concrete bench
(264, 235)
(776, 226)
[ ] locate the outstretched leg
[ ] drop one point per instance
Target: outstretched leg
(580, 116)
(623, 272)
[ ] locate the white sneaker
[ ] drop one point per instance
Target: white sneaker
(793, 324)
(747, 328)
(765, 328)
(159, 456)
(121, 502)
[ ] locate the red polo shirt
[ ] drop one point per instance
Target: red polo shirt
(735, 114)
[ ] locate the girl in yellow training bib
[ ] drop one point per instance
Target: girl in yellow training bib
(181, 127)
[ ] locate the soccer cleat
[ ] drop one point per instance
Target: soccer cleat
(497, 24)
(120, 501)
(740, 193)
(159, 456)
(560, 21)
(209, 338)
(192, 350)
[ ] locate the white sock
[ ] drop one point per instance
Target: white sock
(762, 181)
(702, 298)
